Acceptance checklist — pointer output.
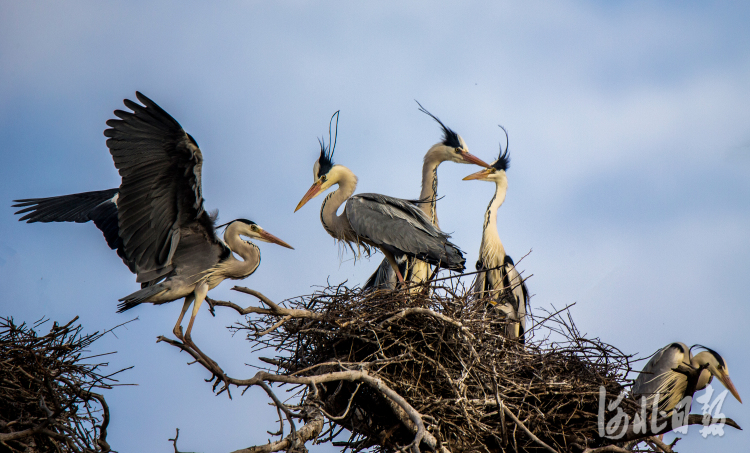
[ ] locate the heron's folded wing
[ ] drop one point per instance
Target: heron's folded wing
(401, 228)
(160, 165)
(657, 376)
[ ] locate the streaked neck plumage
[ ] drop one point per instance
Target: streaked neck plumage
(492, 250)
(338, 225)
(428, 195)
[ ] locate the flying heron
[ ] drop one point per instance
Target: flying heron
(155, 219)
(451, 148)
(497, 272)
(661, 384)
(393, 225)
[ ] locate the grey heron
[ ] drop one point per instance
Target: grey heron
(661, 384)
(451, 148)
(498, 277)
(393, 225)
(155, 219)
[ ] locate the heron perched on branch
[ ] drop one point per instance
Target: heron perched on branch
(452, 148)
(497, 275)
(661, 382)
(155, 219)
(393, 225)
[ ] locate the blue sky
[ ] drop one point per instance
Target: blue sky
(630, 174)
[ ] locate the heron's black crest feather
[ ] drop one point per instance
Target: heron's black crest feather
(503, 160)
(325, 162)
(249, 222)
(712, 352)
(450, 138)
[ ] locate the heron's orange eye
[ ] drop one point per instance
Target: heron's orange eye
(323, 178)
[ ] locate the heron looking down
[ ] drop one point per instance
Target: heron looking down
(497, 272)
(451, 148)
(155, 219)
(393, 225)
(661, 384)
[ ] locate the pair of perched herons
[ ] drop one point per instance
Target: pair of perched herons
(156, 222)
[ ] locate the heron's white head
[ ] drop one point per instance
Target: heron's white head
(495, 171)
(716, 365)
(452, 148)
(251, 230)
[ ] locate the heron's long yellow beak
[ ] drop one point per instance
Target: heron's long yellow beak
(472, 159)
(481, 174)
(724, 378)
(313, 192)
(268, 237)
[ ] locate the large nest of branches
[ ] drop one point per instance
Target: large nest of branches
(431, 369)
(439, 358)
(47, 402)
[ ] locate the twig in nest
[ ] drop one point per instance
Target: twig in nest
(46, 397)
(435, 364)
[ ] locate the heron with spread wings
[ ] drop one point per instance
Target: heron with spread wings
(395, 226)
(155, 219)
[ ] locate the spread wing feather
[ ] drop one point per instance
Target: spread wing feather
(99, 206)
(160, 165)
(399, 227)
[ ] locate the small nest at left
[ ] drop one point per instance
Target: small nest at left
(46, 398)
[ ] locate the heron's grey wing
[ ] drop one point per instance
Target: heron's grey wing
(519, 291)
(517, 286)
(402, 229)
(657, 376)
(480, 282)
(160, 165)
(384, 277)
(99, 206)
(194, 255)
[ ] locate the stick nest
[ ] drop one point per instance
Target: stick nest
(445, 354)
(46, 398)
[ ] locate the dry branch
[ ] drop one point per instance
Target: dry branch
(46, 397)
(430, 370)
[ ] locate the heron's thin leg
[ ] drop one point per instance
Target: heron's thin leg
(200, 295)
(394, 265)
(178, 327)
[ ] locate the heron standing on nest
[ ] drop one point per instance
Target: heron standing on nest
(393, 225)
(155, 219)
(451, 149)
(497, 275)
(663, 385)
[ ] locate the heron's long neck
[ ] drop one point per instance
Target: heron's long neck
(491, 244)
(429, 187)
(248, 251)
(337, 225)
